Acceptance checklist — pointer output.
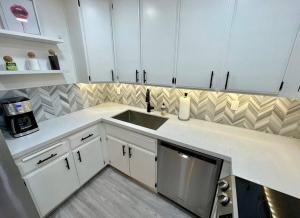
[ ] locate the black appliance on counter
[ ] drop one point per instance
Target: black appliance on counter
(19, 116)
(240, 198)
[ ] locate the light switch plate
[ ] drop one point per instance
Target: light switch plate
(235, 105)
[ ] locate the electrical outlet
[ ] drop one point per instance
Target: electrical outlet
(118, 91)
(235, 105)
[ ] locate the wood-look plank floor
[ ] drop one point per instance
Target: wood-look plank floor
(112, 195)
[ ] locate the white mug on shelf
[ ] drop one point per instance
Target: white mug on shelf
(33, 64)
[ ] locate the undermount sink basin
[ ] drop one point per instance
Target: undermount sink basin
(141, 119)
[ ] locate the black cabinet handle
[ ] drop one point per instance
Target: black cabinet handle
(281, 85)
(211, 79)
(227, 78)
(298, 88)
(137, 76)
(145, 76)
(112, 76)
(123, 149)
(129, 152)
(51, 156)
(84, 138)
(79, 156)
(67, 162)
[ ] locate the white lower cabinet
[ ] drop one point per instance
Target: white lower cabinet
(142, 165)
(52, 183)
(117, 152)
(88, 159)
(132, 160)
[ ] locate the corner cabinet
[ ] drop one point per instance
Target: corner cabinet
(97, 28)
(88, 159)
(262, 37)
(132, 154)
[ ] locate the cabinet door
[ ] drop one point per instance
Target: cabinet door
(98, 39)
(291, 86)
(203, 36)
(53, 183)
(158, 32)
(118, 154)
(262, 37)
(126, 23)
(89, 159)
(142, 165)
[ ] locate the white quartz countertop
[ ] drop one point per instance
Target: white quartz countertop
(266, 159)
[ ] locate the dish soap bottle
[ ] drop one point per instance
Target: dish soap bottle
(163, 110)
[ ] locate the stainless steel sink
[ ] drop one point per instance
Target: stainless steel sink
(141, 119)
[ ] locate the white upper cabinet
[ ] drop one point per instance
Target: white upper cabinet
(291, 86)
(203, 36)
(126, 31)
(158, 36)
(262, 37)
(98, 39)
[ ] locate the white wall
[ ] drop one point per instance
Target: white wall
(53, 23)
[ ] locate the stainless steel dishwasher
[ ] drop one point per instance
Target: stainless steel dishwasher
(188, 178)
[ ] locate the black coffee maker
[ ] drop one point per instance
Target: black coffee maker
(19, 116)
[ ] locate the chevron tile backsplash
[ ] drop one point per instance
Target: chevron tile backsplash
(269, 114)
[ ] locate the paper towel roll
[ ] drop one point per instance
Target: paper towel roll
(184, 107)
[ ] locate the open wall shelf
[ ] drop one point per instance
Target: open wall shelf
(29, 37)
(29, 72)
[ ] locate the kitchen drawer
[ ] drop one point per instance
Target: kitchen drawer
(41, 158)
(84, 136)
(132, 137)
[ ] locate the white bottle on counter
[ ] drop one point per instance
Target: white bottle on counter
(184, 107)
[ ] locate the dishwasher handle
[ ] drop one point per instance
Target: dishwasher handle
(186, 153)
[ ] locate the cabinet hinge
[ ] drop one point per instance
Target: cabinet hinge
(155, 158)
(90, 78)
(78, 2)
(155, 185)
(281, 85)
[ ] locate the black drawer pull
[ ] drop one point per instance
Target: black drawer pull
(211, 79)
(51, 156)
(145, 76)
(84, 138)
(137, 76)
(123, 149)
(79, 156)
(227, 78)
(67, 162)
(129, 152)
